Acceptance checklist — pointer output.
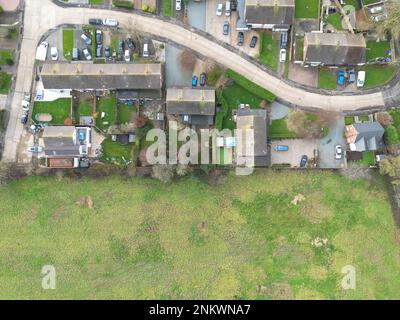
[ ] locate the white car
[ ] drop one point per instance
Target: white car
(25, 105)
(361, 79)
(35, 149)
(376, 9)
(110, 22)
(178, 6)
(282, 55)
(145, 50)
(54, 53)
(219, 9)
(87, 54)
(338, 152)
(127, 56)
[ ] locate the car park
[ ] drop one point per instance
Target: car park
(99, 37)
(341, 80)
(178, 5)
(145, 50)
(194, 81)
(96, 22)
(99, 51)
(127, 55)
(219, 9)
(284, 38)
(338, 152)
(35, 149)
(361, 79)
(240, 38)
(203, 79)
(303, 161)
(281, 147)
(87, 38)
(110, 22)
(253, 42)
(86, 53)
(130, 43)
(54, 53)
(75, 54)
(226, 28)
(282, 55)
(107, 51)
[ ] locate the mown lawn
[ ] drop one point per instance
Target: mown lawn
(6, 57)
(279, 130)
(108, 105)
(114, 152)
(187, 240)
(377, 75)
(377, 49)
(269, 51)
(327, 79)
(167, 8)
(68, 43)
(335, 20)
(307, 9)
(5, 82)
(125, 113)
(60, 109)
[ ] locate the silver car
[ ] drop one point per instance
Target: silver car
(338, 152)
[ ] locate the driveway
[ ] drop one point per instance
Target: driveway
(197, 14)
(297, 148)
(40, 16)
(326, 146)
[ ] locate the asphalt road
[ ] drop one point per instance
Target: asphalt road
(42, 15)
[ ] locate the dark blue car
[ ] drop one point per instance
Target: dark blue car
(194, 81)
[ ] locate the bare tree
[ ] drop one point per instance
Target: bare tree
(384, 118)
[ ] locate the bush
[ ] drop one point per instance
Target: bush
(251, 86)
(391, 135)
(123, 4)
(213, 76)
(1, 9)
(384, 118)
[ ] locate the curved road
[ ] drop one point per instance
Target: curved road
(42, 15)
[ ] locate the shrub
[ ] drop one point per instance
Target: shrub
(123, 4)
(384, 118)
(391, 135)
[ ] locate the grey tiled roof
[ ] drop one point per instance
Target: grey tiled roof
(278, 12)
(190, 101)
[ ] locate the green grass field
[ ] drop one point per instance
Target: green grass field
(335, 20)
(377, 49)
(269, 51)
(327, 79)
(125, 113)
(187, 240)
(6, 57)
(307, 9)
(377, 75)
(167, 8)
(60, 109)
(5, 82)
(108, 105)
(68, 43)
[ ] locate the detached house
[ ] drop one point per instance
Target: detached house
(365, 136)
(191, 105)
(252, 146)
(334, 49)
(276, 15)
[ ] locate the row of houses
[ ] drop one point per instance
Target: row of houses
(68, 146)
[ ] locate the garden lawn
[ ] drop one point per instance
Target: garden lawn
(125, 113)
(377, 49)
(269, 51)
(242, 239)
(327, 79)
(85, 108)
(167, 8)
(279, 130)
(349, 120)
(307, 9)
(6, 56)
(335, 20)
(60, 109)
(108, 105)
(5, 82)
(114, 152)
(377, 75)
(68, 43)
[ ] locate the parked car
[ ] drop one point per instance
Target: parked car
(376, 9)
(99, 51)
(145, 50)
(75, 54)
(130, 43)
(282, 55)
(25, 105)
(121, 49)
(54, 53)
(361, 79)
(281, 147)
(227, 8)
(127, 55)
(226, 28)
(240, 38)
(253, 42)
(35, 149)
(41, 51)
(303, 161)
(194, 81)
(178, 5)
(96, 22)
(219, 9)
(107, 51)
(87, 38)
(203, 79)
(110, 22)
(99, 37)
(352, 76)
(341, 78)
(338, 152)
(284, 38)
(24, 117)
(86, 53)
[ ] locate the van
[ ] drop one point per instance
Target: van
(227, 8)
(361, 79)
(75, 54)
(146, 50)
